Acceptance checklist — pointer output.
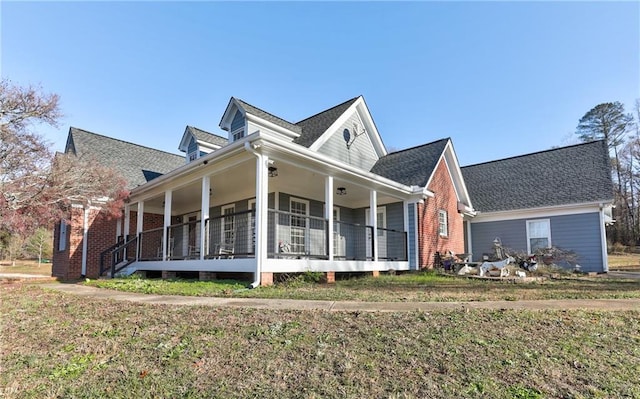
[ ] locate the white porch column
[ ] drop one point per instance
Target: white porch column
(168, 199)
(328, 213)
(204, 237)
(373, 221)
(127, 222)
(139, 222)
(262, 199)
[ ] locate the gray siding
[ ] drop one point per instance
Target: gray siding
(361, 154)
(578, 233)
(238, 121)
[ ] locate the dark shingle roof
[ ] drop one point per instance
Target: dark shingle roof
(269, 117)
(313, 126)
(137, 164)
(207, 137)
(412, 166)
(567, 175)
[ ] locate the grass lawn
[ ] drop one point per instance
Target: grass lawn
(26, 267)
(626, 261)
(56, 345)
(413, 287)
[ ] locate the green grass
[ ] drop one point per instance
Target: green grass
(26, 267)
(57, 345)
(414, 287)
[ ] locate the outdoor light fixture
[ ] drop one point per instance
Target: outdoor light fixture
(273, 171)
(341, 191)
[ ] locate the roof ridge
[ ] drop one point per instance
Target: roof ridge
(124, 141)
(535, 153)
(329, 109)
(419, 145)
(260, 109)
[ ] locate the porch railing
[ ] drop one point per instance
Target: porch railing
(231, 235)
(119, 256)
(150, 244)
(289, 236)
(183, 240)
(392, 244)
(293, 236)
(352, 241)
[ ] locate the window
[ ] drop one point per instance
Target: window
(443, 224)
(228, 226)
(252, 226)
(538, 235)
(237, 134)
(298, 224)
(62, 240)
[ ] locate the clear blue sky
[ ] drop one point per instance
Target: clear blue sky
(499, 78)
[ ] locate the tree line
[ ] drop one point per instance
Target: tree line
(621, 131)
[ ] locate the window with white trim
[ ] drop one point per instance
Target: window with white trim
(538, 235)
(62, 239)
(298, 224)
(228, 225)
(237, 134)
(443, 223)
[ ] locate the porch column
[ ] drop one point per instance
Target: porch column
(373, 222)
(127, 222)
(204, 239)
(139, 222)
(168, 198)
(262, 199)
(328, 214)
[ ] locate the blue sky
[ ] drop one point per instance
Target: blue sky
(499, 78)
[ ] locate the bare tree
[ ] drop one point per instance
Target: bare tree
(40, 244)
(37, 187)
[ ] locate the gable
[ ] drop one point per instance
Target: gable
(360, 151)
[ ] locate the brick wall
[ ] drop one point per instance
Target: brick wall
(429, 240)
(67, 264)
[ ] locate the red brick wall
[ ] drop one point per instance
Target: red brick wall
(429, 240)
(67, 265)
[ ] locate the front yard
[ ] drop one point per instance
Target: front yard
(56, 345)
(412, 287)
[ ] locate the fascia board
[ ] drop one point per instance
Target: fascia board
(377, 139)
(225, 120)
(271, 125)
(570, 209)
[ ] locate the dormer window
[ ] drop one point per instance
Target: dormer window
(192, 150)
(237, 126)
(237, 134)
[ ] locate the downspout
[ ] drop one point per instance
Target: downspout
(85, 236)
(603, 241)
(259, 205)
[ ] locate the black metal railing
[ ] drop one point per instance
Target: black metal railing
(119, 256)
(150, 244)
(184, 240)
(352, 241)
(392, 244)
(292, 236)
(231, 235)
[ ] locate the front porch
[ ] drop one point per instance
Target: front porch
(295, 243)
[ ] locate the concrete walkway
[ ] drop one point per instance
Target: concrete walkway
(337, 306)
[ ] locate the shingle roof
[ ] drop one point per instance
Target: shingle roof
(137, 164)
(207, 137)
(313, 126)
(412, 166)
(269, 117)
(562, 176)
